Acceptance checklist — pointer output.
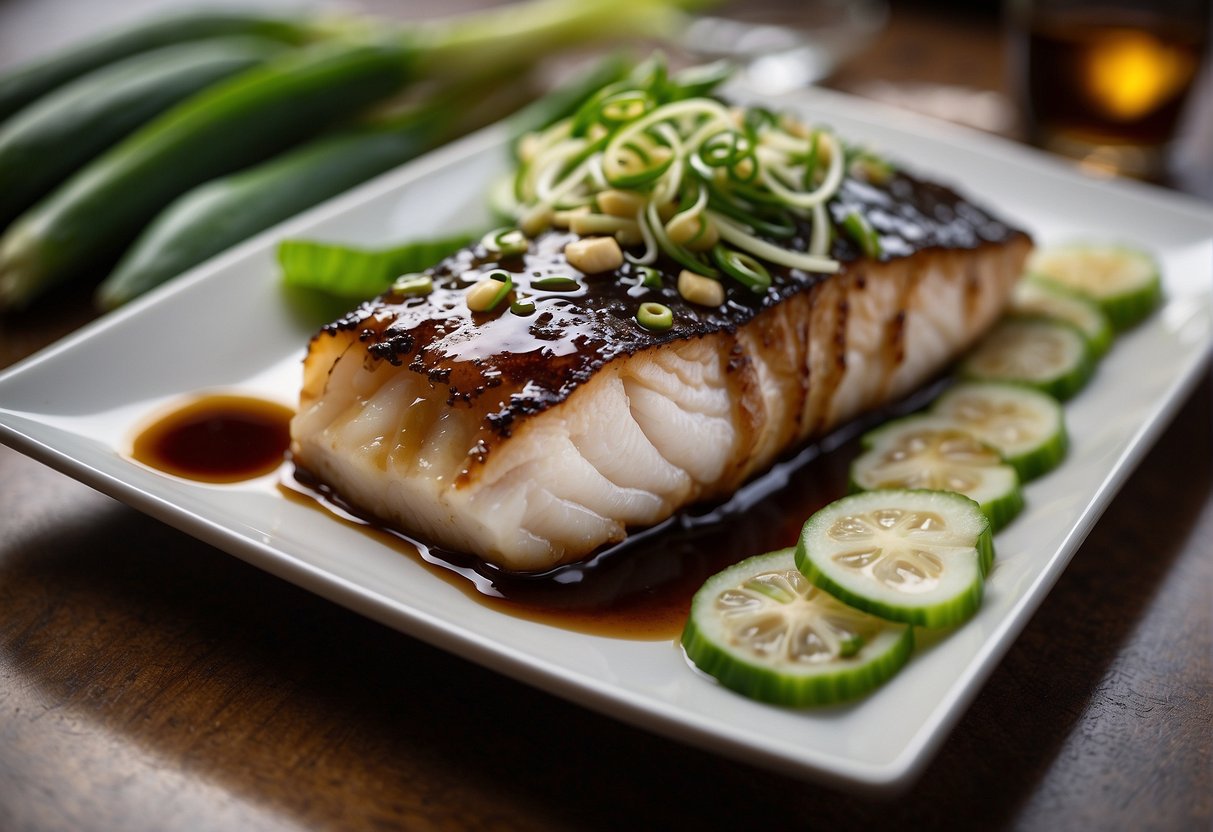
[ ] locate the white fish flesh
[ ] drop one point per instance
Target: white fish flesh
(534, 440)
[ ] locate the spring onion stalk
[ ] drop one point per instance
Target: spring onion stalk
(29, 82)
(479, 41)
(96, 214)
(225, 211)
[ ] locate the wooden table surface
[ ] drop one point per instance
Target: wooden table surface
(151, 682)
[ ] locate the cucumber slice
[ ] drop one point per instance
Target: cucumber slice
(1052, 357)
(1040, 298)
(920, 557)
(1124, 281)
(935, 453)
(1024, 425)
(765, 631)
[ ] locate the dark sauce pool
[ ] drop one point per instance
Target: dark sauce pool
(217, 439)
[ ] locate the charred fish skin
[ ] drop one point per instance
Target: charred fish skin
(544, 356)
(533, 439)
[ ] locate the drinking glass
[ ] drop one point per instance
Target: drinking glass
(1107, 81)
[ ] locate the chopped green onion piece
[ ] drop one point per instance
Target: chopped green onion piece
(860, 230)
(650, 277)
(490, 291)
(656, 317)
(556, 283)
(507, 242)
(743, 268)
(523, 307)
(413, 284)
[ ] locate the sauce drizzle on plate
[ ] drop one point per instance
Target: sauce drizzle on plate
(217, 439)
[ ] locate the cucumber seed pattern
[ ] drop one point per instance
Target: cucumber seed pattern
(781, 615)
(890, 545)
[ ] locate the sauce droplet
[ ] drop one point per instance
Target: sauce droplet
(217, 439)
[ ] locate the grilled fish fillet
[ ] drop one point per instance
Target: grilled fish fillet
(533, 441)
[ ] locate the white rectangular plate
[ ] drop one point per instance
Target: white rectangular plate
(225, 326)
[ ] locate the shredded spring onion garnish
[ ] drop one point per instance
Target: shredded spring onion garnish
(666, 170)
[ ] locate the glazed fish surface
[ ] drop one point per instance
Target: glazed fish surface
(691, 291)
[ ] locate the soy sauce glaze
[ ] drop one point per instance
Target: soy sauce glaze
(217, 439)
(640, 589)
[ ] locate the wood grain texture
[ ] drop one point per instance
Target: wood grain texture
(151, 682)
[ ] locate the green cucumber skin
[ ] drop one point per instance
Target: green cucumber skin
(29, 82)
(1063, 386)
(88, 221)
(1000, 512)
(45, 142)
(764, 685)
(1126, 310)
(1028, 466)
(1101, 340)
(956, 611)
(959, 609)
(1004, 509)
(226, 211)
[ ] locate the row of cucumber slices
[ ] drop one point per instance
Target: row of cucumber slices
(833, 618)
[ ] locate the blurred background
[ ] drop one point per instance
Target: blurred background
(1120, 86)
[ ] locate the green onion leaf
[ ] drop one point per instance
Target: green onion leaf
(357, 274)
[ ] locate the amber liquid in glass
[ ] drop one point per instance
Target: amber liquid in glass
(1098, 80)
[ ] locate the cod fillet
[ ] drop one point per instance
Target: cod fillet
(534, 440)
